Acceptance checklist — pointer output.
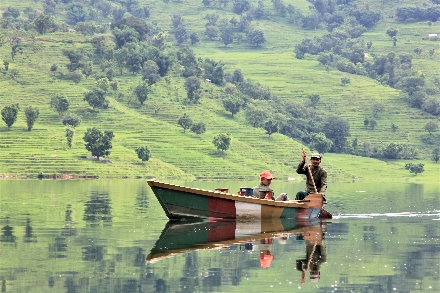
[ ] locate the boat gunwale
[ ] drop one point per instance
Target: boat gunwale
(225, 195)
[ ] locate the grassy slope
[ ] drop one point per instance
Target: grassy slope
(185, 155)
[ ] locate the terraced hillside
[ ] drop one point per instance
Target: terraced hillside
(185, 155)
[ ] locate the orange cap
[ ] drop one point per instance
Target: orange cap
(266, 174)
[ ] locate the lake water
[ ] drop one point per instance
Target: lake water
(95, 236)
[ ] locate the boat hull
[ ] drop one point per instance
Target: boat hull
(181, 202)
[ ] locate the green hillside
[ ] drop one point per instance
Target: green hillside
(27, 79)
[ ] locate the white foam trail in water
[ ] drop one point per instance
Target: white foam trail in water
(377, 215)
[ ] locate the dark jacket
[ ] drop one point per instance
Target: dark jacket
(319, 176)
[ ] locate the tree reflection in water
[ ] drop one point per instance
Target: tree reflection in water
(97, 208)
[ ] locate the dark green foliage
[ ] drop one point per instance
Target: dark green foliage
(254, 90)
(142, 91)
(60, 104)
(143, 153)
(241, 6)
(392, 151)
(214, 71)
(31, 114)
(232, 104)
(72, 120)
(44, 23)
(75, 57)
(198, 128)
(150, 72)
(16, 47)
(256, 38)
(378, 108)
(436, 154)
(185, 122)
(255, 116)
(271, 127)
(222, 141)
(124, 36)
(415, 168)
(70, 132)
(11, 12)
(139, 25)
(194, 38)
(187, 59)
(392, 32)
(76, 13)
(9, 114)
(97, 142)
(319, 142)
(211, 32)
(431, 126)
(181, 34)
(96, 98)
(192, 85)
(314, 99)
(227, 36)
(237, 76)
(337, 130)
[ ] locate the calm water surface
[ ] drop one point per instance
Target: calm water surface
(95, 236)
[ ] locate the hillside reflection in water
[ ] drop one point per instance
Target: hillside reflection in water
(112, 236)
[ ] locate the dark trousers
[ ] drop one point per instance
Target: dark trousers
(301, 195)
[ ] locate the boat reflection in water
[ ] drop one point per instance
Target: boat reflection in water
(179, 237)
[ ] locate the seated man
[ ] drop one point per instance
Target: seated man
(264, 191)
(317, 179)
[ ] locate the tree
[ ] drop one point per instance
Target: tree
(436, 154)
(378, 108)
(345, 81)
(60, 104)
(222, 141)
(232, 104)
(198, 128)
(211, 32)
(227, 36)
(95, 98)
(185, 122)
(142, 91)
(143, 153)
(314, 99)
(373, 124)
(31, 114)
(415, 168)
(16, 47)
(392, 151)
(337, 130)
(9, 114)
(394, 127)
(194, 38)
(271, 127)
(319, 142)
(431, 126)
(255, 116)
(366, 122)
(181, 34)
(72, 120)
(97, 142)
(76, 13)
(150, 72)
(75, 57)
(418, 51)
(237, 76)
(43, 23)
(70, 132)
(256, 38)
(392, 32)
(192, 85)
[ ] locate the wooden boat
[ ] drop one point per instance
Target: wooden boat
(180, 202)
(180, 237)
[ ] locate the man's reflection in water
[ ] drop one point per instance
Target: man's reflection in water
(265, 256)
(316, 255)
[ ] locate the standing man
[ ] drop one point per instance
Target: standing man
(263, 191)
(318, 173)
